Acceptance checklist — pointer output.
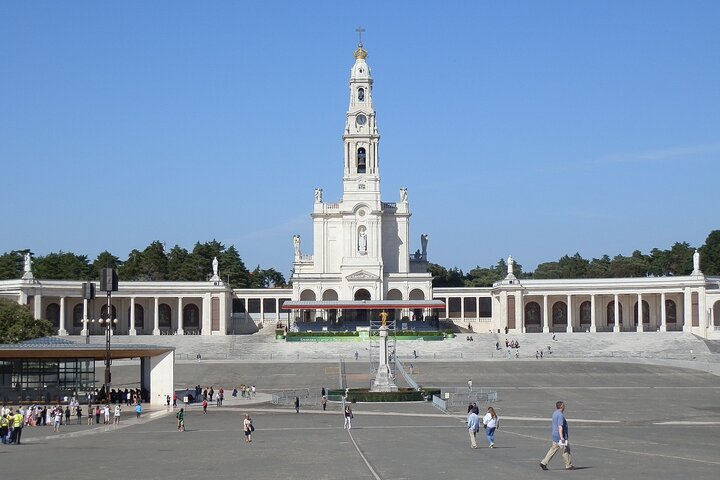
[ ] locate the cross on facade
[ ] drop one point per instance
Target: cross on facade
(360, 31)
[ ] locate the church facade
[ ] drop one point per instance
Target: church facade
(360, 251)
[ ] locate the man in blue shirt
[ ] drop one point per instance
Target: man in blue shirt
(559, 438)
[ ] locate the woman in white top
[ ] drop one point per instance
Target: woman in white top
(117, 414)
(491, 423)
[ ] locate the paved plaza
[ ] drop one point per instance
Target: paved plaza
(627, 420)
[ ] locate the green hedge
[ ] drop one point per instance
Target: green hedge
(322, 334)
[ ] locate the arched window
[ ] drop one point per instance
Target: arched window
(585, 313)
(394, 294)
(361, 168)
(362, 294)
(416, 294)
(361, 94)
(532, 313)
(559, 314)
(139, 316)
(164, 316)
(611, 313)
(78, 315)
(52, 314)
(191, 316)
(645, 313)
(670, 311)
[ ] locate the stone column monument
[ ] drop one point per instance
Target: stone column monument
(384, 381)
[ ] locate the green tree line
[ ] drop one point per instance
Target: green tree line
(153, 263)
(676, 260)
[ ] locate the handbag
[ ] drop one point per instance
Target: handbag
(252, 428)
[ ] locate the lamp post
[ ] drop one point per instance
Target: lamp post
(108, 283)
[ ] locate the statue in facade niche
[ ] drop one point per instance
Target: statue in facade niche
(362, 241)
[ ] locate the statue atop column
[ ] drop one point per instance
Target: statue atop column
(403, 195)
(318, 195)
(215, 277)
(423, 243)
(27, 266)
(696, 263)
(510, 268)
(296, 245)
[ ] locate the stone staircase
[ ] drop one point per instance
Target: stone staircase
(264, 347)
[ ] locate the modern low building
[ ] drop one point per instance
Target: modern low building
(361, 252)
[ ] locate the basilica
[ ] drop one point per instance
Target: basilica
(359, 261)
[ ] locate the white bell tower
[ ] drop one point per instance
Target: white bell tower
(361, 178)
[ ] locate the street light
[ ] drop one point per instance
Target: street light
(109, 284)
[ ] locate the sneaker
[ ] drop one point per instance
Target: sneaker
(492, 445)
(571, 467)
(543, 466)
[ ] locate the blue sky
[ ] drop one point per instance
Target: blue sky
(529, 128)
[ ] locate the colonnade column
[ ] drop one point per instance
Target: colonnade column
(62, 330)
(156, 317)
(37, 306)
(277, 310)
(520, 310)
(593, 320)
(85, 318)
(616, 313)
(687, 310)
(180, 325)
(546, 327)
(132, 330)
(640, 313)
(569, 328)
(663, 319)
(447, 307)
(704, 316)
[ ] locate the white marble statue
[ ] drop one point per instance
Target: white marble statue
(696, 262)
(403, 195)
(362, 241)
(423, 243)
(296, 244)
(318, 195)
(215, 266)
(27, 268)
(510, 265)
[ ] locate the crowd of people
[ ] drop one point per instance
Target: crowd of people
(12, 423)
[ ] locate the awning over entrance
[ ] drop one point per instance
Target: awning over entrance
(361, 304)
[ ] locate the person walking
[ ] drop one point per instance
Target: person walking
(97, 414)
(138, 410)
(204, 405)
(348, 417)
(174, 399)
(67, 415)
(559, 438)
(297, 404)
(473, 423)
(491, 423)
(180, 420)
(248, 428)
(323, 402)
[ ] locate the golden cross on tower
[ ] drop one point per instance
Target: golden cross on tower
(360, 31)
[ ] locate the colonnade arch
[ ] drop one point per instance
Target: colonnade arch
(52, 314)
